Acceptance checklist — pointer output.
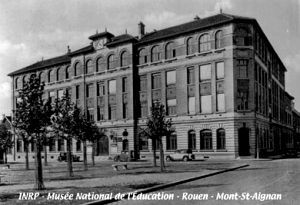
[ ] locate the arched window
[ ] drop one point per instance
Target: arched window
(67, 72)
(171, 142)
(241, 37)
(51, 76)
(221, 139)
(189, 46)
(170, 51)
(124, 61)
(24, 80)
(99, 65)
(16, 83)
(205, 140)
(155, 54)
(110, 62)
(143, 57)
(192, 140)
(42, 77)
(89, 67)
(77, 69)
(58, 75)
(218, 40)
(204, 43)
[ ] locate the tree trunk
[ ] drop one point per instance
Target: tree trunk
(5, 157)
(69, 157)
(39, 183)
(93, 154)
(161, 150)
(26, 155)
(85, 155)
(45, 153)
(154, 151)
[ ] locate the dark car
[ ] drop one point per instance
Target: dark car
(181, 154)
(63, 157)
(124, 157)
(291, 153)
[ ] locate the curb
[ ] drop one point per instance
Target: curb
(163, 186)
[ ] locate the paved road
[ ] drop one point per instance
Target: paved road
(261, 177)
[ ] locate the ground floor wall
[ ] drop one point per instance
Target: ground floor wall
(228, 137)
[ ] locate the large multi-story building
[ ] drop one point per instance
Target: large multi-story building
(219, 78)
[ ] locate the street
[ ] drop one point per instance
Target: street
(256, 184)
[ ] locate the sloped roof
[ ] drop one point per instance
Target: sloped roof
(85, 49)
(190, 26)
(42, 64)
(121, 39)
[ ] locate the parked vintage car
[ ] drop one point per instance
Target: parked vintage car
(63, 157)
(181, 154)
(291, 153)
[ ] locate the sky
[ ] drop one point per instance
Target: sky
(34, 29)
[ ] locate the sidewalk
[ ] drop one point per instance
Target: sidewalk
(102, 179)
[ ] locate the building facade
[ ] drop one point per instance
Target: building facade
(219, 77)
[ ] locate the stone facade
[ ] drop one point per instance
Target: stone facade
(220, 79)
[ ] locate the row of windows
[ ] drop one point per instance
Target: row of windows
(55, 145)
(206, 142)
(65, 73)
(170, 49)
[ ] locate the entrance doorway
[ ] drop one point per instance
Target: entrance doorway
(244, 142)
(102, 146)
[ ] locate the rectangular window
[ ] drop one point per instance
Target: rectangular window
(112, 112)
(143, 143)
(89, 90)
(19, 145)
(100, 113)
(191, 75)
(171, 107)
(52, 96)
(242, 68)
(205, 72)
(144, 109)
(100, 89)
(60, 94)
(51, 144)
(171, 77)
(124, 84)
(90, 114)
(220, 70)
(191, 108)
(77, 91)
(125, 110)
(112, 87)
(60, 145)
(156, 81)
(68, 92)
(206, 104)
(143, 83)
(78, 146)
(221, 102)
(171, 142)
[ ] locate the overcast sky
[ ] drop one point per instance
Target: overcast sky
(34, 29)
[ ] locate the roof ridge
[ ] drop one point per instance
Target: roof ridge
(201, 19)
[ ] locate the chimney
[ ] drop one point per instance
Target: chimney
(68, 49)
(197, 18)
(141, 29)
